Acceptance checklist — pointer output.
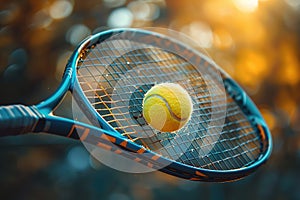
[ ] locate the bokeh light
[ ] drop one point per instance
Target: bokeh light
(144, 11)
(256, 41)
(42, 19)
(114, 3)
(222, 39)
(77, 33)
(60, 9)
(293, 3)
(246, 5)
(120, 17)
(78, 158)
(200, 32)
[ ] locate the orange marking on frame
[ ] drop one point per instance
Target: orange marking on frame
(141, 150)
(85, 134)
(147, 38)
(124, 143)
(71, 131)
(261, 130)
(168, 43)
(155, 157)
(198, 60)
(157, 41)
(195, 179)
(206, 64)
(150, 165)
(200, 174)
(177, 48)
(229, 100)
(73, 128)
(137, 159)
(104, 146)
(187, 54)
(108, 138)
(118, 151)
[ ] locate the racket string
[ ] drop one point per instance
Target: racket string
(236, 145)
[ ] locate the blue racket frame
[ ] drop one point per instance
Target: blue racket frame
(20, 119)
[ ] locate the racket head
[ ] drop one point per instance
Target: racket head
(97, 55)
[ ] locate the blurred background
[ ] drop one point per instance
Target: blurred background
(256, 41)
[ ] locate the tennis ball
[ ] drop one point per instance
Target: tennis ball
(167, 107)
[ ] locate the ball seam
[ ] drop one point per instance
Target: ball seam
(168, 107)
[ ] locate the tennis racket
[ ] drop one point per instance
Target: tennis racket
(109, 73)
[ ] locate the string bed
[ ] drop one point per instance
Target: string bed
(114, 76)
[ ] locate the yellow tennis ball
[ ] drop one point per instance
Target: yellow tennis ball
(167, 107)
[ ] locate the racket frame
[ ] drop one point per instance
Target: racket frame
(108, 138)
(237, 93)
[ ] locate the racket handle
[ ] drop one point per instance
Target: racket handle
(18, 119)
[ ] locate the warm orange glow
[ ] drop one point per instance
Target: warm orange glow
(289, 71)
(286, 103)
(251, 68)
(200, 32)
(246, 5)
(256, 41)
(60, 9)
(269, 117)
(222, 39)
